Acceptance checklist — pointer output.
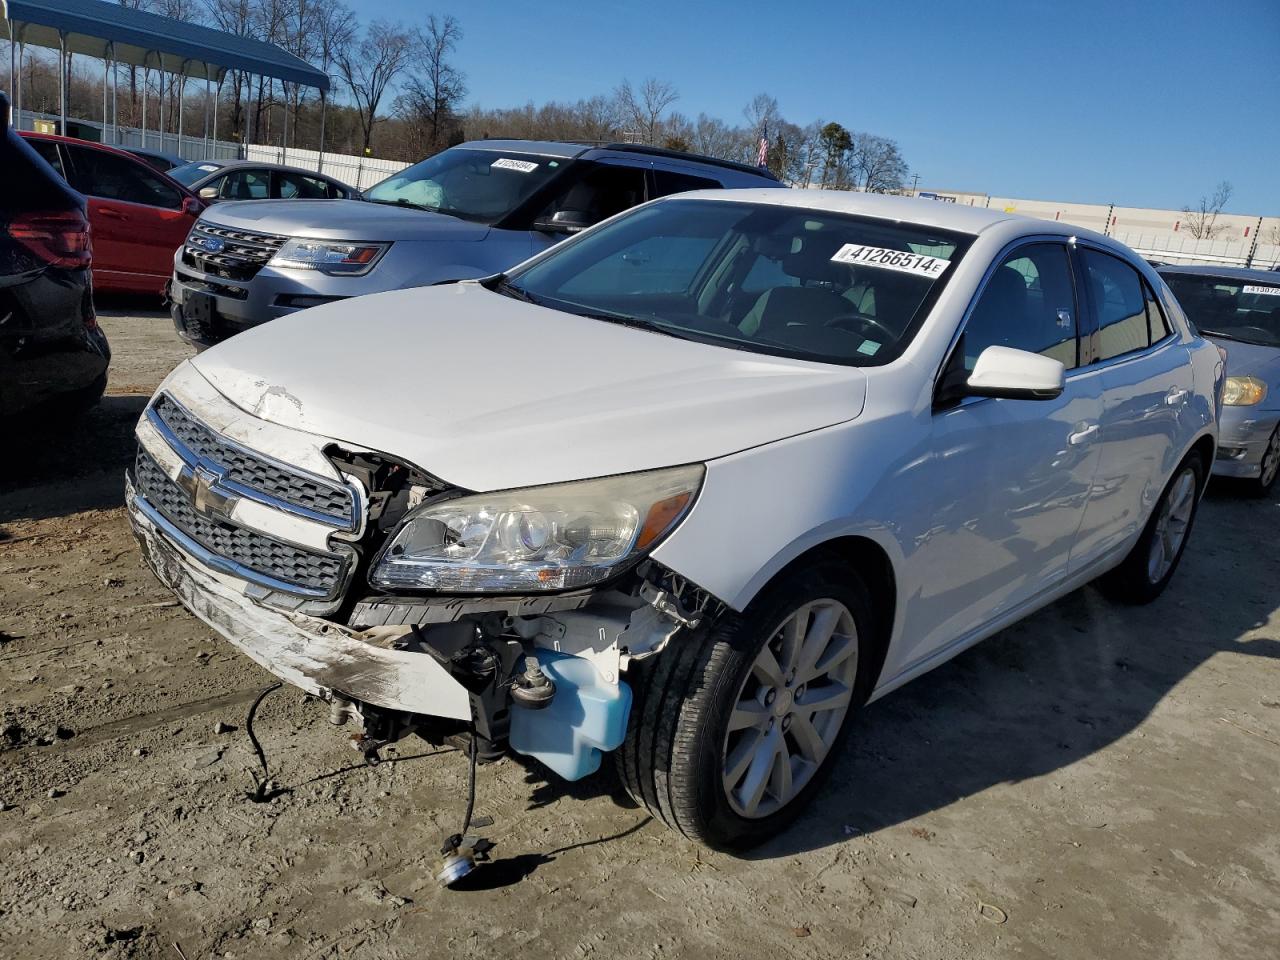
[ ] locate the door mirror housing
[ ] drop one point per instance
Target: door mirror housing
(565, 221)
(208, 193)
(1016, 375)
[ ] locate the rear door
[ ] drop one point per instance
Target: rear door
(1146, 391)
(137, 217)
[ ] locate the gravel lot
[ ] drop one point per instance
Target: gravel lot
(1095, 782)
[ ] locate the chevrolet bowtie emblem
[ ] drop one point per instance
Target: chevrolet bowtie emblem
(204, 484)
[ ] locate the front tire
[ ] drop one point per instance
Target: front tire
(1269, 467)
(1151, 564)
(734, 727)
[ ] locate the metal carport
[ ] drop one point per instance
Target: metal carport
(117, 34)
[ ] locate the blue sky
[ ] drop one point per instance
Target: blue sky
(1135, 102)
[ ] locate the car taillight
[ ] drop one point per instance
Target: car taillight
(59, 238)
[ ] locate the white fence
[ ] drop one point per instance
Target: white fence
(1179, 248)
(358, 172)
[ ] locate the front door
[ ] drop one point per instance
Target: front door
(137, 218)
(1002, 485)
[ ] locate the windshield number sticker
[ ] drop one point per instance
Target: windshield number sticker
(1263, 291)
(919, 264)
(523, 166)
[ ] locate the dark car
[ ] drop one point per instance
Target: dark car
(52, 352)
(157, 159)
(215, 180)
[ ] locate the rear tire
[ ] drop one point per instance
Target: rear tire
(1151, 564)
(676, 758)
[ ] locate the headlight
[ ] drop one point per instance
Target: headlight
(337, 257)
(1244, 391)
(557, 537)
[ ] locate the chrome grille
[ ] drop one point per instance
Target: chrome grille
(263, 558)
(296, 492)
(227, 252)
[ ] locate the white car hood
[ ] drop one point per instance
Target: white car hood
(486, 392)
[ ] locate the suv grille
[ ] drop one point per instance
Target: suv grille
(270, 559)
(229, 253)
(297, 491)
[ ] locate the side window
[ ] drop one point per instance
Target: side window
(669, 267)
(1156, 321)
(1029, 304)
(1120, 303)
(295, 186)
(666, 183)
(601, 191)
(110, 177)
(246, 185)
(49, 150)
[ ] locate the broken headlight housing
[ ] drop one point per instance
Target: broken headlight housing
(558, 537)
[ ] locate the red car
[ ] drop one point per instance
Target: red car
(138, 216)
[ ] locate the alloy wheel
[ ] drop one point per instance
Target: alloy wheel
(790, 708)
(1172, 524)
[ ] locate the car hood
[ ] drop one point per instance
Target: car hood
(486, 392)
(343, 220)
(1251, 360)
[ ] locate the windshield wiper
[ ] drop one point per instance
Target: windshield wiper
(508, 289)
(402, 202)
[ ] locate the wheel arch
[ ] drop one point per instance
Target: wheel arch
(873, 563)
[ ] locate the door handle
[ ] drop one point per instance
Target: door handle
(1084, 435)
(1175, 397)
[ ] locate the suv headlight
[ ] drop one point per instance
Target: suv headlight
(558, 537)
(1244, 392)
(338, 257)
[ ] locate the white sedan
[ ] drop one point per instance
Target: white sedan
(693, 486)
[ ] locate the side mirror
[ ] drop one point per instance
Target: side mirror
(208, 193)
(1016, 375)
(565, 221)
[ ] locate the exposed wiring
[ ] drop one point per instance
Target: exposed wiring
(259, 793)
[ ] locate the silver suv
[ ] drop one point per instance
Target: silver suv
(472, 211)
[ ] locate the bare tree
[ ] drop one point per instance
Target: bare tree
(761, 114)
(1202, 222)
(876, 163)
(643, 109)
(370, 66)
(435, 90)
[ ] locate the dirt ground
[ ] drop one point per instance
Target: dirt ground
(1095, 782)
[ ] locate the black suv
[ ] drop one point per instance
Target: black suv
(53, 355)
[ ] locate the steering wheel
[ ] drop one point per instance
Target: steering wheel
(860, 323)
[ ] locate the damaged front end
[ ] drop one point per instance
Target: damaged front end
(303, 553)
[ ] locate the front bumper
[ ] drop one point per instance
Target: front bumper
(317, 656)
(1242, 440)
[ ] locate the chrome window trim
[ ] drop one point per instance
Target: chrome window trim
(191, 460)
(230, 567)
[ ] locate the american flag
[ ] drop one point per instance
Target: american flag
(762, 158)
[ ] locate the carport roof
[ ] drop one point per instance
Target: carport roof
(138, 36)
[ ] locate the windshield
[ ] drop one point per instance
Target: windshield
(769, 279)
(1247, 310)
(482, 185)
(189, 173)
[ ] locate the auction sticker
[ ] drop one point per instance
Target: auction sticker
(524, 166)
(1263, 291)
(919, 264)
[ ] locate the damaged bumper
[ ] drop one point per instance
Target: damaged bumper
(318, 656)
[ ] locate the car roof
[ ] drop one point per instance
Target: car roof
(260, 165)
(148, 152)
(914, 210)
(1208, 270)
(105, 148)
(543, 148)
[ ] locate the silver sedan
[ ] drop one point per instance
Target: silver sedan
(1240, 311)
